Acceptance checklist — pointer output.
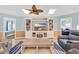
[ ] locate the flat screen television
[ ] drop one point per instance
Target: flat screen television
(39, 26)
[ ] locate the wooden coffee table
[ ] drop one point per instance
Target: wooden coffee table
(38, 43)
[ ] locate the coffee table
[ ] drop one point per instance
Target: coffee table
(38, 43)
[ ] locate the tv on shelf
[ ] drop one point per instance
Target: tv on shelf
(39, 26)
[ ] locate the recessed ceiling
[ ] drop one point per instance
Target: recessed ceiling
(60, 9)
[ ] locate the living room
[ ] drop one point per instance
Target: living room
(39, 32)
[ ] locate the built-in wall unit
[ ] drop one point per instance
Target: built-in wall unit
(39, 28)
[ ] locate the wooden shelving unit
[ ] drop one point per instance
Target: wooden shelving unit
(35, 31)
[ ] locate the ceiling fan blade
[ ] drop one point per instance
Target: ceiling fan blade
(39, 10)
(28, 9)
(31, 12)
(36, 13)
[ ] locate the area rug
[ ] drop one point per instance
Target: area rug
(58, 49)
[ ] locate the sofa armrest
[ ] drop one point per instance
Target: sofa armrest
(73, 41)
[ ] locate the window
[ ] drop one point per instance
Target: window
(9, 24)
(77, 27)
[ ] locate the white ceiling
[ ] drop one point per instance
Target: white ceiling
(60, 9)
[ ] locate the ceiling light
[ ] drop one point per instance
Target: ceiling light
(51, 11)
(26, 11)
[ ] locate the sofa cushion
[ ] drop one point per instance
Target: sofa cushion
(63, 37)
(74, 32)
(73, 37)
(74, 41)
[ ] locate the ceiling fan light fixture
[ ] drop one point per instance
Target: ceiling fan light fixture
(51, 11)
(26, 11)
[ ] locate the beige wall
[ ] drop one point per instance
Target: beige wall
(20, 34)
(1, 35)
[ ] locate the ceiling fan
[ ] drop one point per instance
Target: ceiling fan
(34, 10)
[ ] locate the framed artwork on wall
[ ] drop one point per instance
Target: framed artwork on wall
(66, 23)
